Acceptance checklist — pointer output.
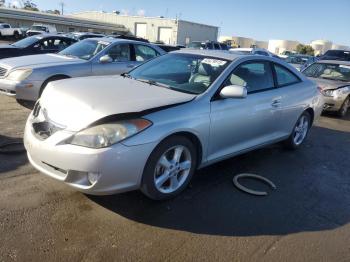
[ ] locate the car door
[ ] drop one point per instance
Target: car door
(244, 123)
(293, 94)
(120, 60)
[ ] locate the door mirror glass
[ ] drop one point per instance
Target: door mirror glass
(233, 91)
(106, 59)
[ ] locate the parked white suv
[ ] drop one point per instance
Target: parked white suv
(38, 29)
(7, 30)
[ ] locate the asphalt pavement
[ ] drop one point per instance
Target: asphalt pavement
(305, 219)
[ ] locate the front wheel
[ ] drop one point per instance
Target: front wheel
(300, 131)
(169, 168)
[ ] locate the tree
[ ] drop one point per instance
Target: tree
(305, 49)
(29, 5)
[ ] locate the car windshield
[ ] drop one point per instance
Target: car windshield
(85, 49)
(26, 41)
(185, 73)
(38, 28)
(328, 71)
(300, 60)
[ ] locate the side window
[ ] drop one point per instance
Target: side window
(119, 53)
(255, 76)
(284, 76)
(144, 53)
(6, 26)
(60, 44)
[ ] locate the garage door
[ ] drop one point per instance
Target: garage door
(165, 35)
(141, 30)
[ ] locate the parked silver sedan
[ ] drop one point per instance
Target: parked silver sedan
(26, 77)
(333, 78)
(152, 128)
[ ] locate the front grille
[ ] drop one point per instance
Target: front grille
(45, 128)
(3, 71)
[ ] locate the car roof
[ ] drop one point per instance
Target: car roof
(336, 62)
(215, 53)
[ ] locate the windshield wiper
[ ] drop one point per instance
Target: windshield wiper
(153, 83)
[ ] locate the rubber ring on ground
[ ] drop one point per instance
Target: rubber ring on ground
(250, 191)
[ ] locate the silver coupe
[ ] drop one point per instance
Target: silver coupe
(152, 128)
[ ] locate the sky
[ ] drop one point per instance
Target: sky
(301, 20)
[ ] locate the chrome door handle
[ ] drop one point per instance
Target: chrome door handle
(131, 66)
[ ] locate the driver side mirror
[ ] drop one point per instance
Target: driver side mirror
(106, 59)
(233, 91)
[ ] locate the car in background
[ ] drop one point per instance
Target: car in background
(333, 78)
(7, 31)
(168, 48)
(287, 53)
(207, 45)
(298, 61)
(38, 44)
(310, 61)
(83, 35)
(129, 37)
(152, 128)
(343, 55)
(25, 78)
(37, 29)
(253, 51)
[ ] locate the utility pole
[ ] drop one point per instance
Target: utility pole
(62, 4)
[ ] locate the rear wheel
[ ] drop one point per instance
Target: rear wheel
(16, 35)
(169, 168)
(300, 131)
(344, 108)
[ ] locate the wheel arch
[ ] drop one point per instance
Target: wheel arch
(50, 79)
(312, 114)
(194, 139)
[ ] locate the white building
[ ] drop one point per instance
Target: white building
(25, 18)
(279, 46)
(321, 46)
(169, 31)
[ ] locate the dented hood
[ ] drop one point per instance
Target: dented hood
(76, 103)
(325, 84)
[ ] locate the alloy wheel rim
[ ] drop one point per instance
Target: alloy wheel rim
(300, 130)
(172, 169)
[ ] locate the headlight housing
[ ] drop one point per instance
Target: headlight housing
(328, 92)
(19, 74)
(336, 92)
(105, 135)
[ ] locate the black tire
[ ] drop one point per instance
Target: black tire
(290, 143)
(51, 79)
(16, 35)
(344, 108)
(148, 186)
